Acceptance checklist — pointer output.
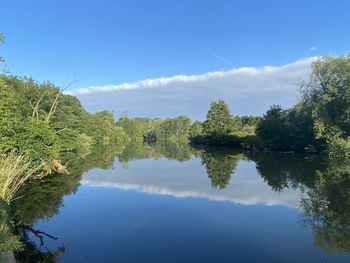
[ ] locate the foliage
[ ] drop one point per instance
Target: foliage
(319, 121)
(196, 129)
(273, 128)
(170, 129)
(8, 241)
(288, 130)
(35, 139)
(219, 120)
(339, 148)
(25, 107)
(131, 128)
(246, 125)
(328, 91)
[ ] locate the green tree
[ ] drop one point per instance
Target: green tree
(273, 129)
(219, 120)
(328, 91)
(170, 129)
(131, 127)
(196, 129)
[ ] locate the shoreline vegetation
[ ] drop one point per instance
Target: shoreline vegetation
(38, 123)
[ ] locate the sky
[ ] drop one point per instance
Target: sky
(166, 58)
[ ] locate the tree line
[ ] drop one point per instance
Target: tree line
(39, 121)
(318, 123)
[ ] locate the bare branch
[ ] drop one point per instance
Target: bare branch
(61, 130)
(36, 108)
(55, 103)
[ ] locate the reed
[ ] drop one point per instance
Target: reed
(15, 171)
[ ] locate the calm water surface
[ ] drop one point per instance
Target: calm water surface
(191, 207)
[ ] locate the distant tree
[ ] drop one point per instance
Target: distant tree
(196, 129)
(219, 120)
(131, 127)
(170, 129)
(273, 129)
(175, 128)
(246, 125)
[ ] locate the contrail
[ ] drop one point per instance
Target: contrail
(203, 47)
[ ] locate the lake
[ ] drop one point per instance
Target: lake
(178, 204)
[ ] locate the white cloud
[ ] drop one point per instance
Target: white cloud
(313, 48)
(235, 74)
(248, 90)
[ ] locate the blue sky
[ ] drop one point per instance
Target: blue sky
(112, 42)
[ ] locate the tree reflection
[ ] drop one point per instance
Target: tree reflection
(179, 151)
(8, 240)
(220, 166)
(325, 184)
(325, 205)
(327, 208)
(36, 253)
(43, 198)
(282, 171)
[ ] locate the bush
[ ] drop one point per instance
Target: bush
(252, 142)
(34, 139)
(339, 148)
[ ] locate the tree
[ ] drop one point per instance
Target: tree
(219, 120)
(131, 127)
(170, 129)
(272, 129)
(328, 91)
(196, 129)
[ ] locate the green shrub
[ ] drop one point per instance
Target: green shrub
(339, 148)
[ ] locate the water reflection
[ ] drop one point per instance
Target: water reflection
(42, 199)
(319, 188)
(220, 166)
(327, 208)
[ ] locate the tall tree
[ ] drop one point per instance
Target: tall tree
(328, 91)
(219, 119)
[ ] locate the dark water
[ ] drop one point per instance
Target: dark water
(176, 204)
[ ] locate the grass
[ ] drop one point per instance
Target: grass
(15, 171)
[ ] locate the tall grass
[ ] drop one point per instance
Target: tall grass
(15, 171)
